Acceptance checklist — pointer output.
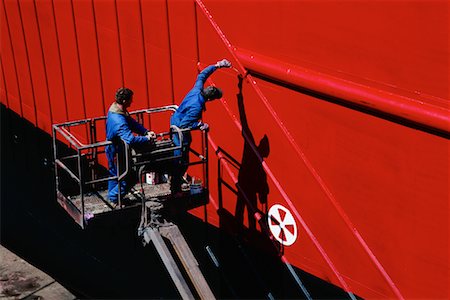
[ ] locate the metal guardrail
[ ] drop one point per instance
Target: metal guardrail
(86, 157)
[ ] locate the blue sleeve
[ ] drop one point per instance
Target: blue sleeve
(201, 78)
(136, 126)
(125, 133)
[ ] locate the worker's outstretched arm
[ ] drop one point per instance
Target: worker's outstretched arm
(201, 78)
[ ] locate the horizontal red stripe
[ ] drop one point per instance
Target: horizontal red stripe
(376, 99)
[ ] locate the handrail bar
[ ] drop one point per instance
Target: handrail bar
(228, 157)
(197, 154)
(101, 180)
(87, 159)
(73, 123)
(63, 166)
(68, 136)
(127, 160)
(96, 145)
(68, 157)
(180, 133)
(79, 145)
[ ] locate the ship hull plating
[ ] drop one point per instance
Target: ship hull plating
(333, 148)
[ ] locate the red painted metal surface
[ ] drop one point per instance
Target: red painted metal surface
(56, 96)
(286, 198)
(370, 192)
(422, 112)
(109, 54)
(13, 23)
(399, 43)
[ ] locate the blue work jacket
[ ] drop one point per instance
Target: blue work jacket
(119, 125)
(191, 108)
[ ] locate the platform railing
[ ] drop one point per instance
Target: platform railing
(83, 161)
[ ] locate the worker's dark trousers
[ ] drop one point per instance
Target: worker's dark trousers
(181, 165)
(130, 179)
(113, 186)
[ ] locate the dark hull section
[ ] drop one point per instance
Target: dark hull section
(107, 260)
(342, 117)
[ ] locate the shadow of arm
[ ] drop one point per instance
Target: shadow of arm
(242, 114)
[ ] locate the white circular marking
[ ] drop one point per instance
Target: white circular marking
(282, 224)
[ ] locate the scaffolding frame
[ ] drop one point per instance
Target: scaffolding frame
(85, 155)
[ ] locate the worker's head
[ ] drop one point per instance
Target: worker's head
(211, 93)
(124, 96)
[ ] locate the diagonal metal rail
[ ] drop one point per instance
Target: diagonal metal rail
(289, 137)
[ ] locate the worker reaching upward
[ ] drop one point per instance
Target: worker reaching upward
(189, 114)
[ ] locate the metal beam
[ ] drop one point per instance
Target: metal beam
(152, 234)
(173, 234)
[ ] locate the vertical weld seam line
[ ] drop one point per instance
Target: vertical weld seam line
(196, 32)
(119, 43)
(144, 49)
(4, 82)
(43, 62)
(79, 58)
(29, 66)
(14, 59)
(170, 52)
(66, 105)
(102, 87)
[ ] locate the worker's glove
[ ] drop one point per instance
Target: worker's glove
(223, 64)
(204, 126)
(151, 135)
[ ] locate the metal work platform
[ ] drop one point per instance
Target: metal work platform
(81, 168)
(95, 204)
(81, 188)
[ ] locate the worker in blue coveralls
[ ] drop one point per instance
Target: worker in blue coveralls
(189, 114)
(120, 125)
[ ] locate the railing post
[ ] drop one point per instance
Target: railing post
(206, 155)
(81, 181)
(55, 157)
(119, 192)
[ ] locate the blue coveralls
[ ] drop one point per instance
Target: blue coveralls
(119, 125)
(188, 115)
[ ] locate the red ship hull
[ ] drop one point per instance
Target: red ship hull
(352, 98)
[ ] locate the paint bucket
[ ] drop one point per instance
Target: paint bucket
(196, 187)
(150, 178)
